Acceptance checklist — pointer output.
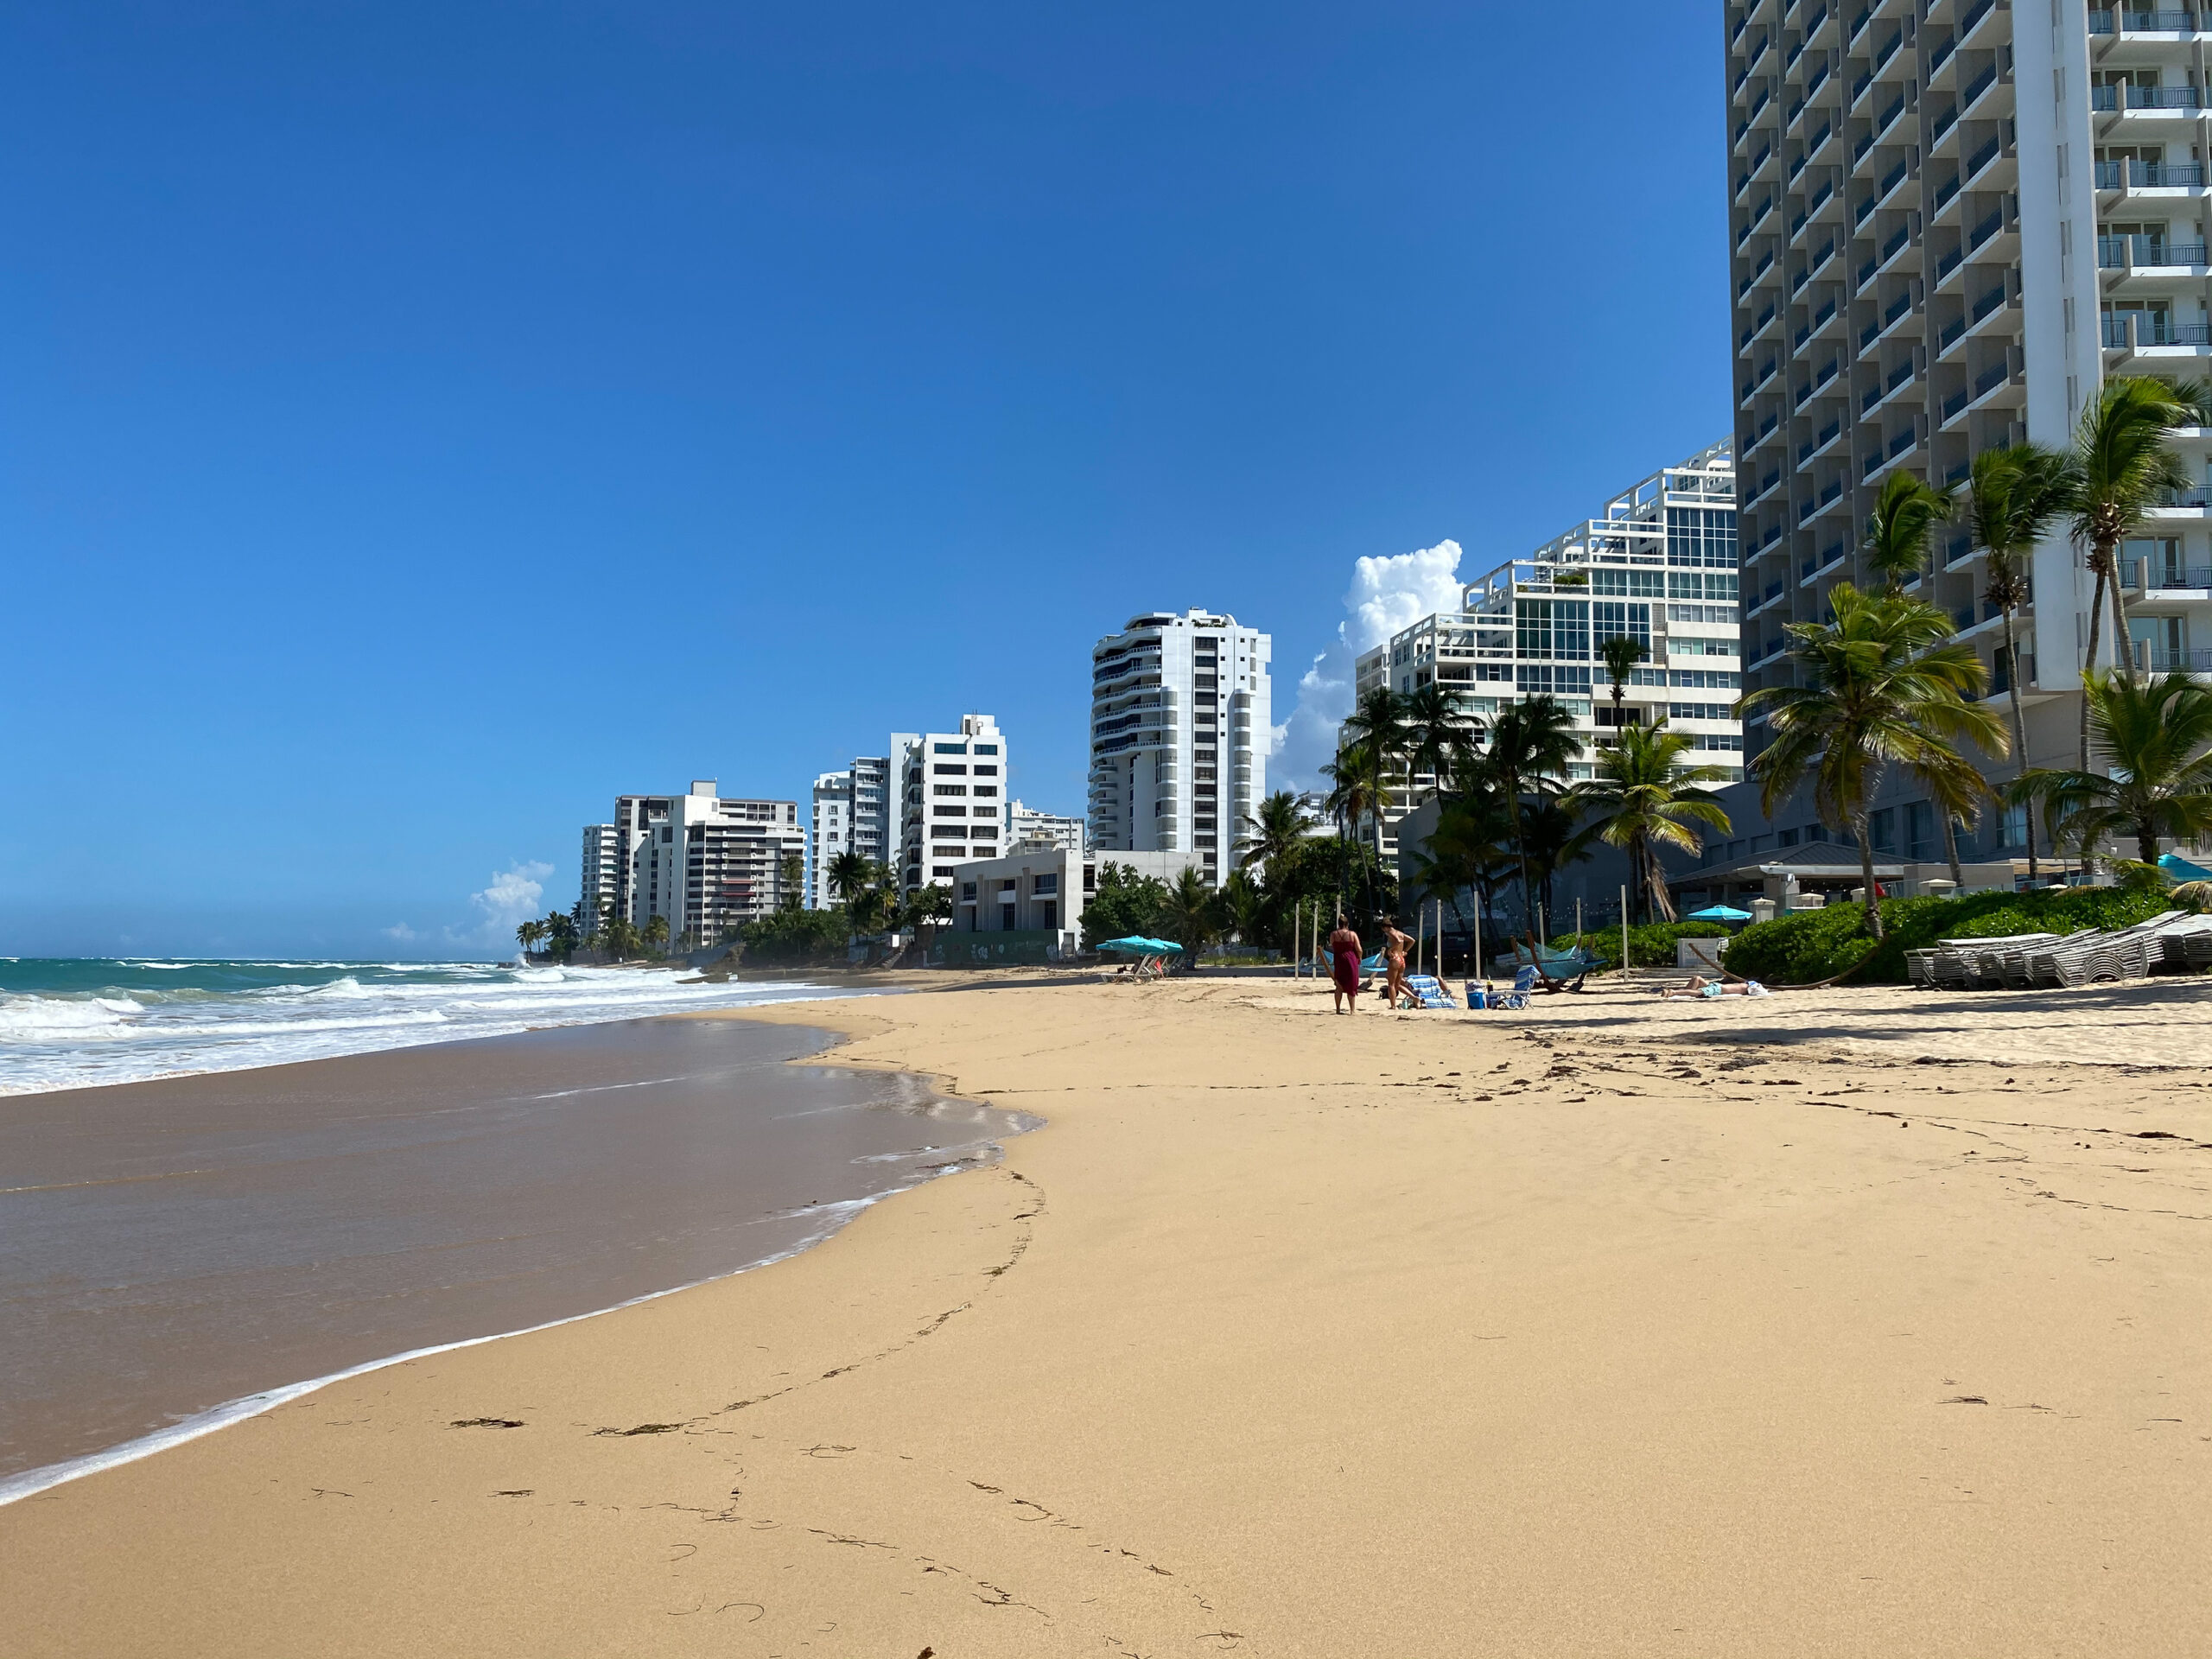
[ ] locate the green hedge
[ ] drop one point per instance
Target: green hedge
(1809, 945)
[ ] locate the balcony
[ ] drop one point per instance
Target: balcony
(2194, 660)
(2105, 100)
(2150, 176)
(2129, 331)
(1980, 83)
(2180, 577)
(2184, 501)
(1818, 445)
(1974, 17)
(1986, 231)
(2127, 257)
(1823, 560)
(2143, 23)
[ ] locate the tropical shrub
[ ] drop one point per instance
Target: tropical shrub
(796, 937)
(1125, 902)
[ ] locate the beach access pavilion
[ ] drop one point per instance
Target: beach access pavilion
(1818, 872)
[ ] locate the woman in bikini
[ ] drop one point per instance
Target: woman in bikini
(1394, 946)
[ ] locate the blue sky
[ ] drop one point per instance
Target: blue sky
(418, 423)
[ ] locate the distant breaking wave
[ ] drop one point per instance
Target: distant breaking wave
(67, 1024)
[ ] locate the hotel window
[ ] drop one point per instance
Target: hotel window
(950, 772)
(950, 789)
(1609, 619)
(1553, 629)
(1701, 537)
(949, 748)
(987, 748)
(1047, 885)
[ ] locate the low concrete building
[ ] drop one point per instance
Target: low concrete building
(1821, 872)
(1040, 893)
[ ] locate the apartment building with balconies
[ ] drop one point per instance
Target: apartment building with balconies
(954, 804)
(851, 813)
(1948, 222)
(1657, 564)
(1181, 712)
(704, 863)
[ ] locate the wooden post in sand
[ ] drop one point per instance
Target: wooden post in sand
(1297, 920)
(1623, 936)
(1478, 933)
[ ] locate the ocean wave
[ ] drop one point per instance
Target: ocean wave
(47, 1020)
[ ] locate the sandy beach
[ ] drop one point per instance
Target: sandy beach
(1853, 1323)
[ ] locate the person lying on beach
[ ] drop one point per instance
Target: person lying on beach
(1700, 986)
(1343, 966)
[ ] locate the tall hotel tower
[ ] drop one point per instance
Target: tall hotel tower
(1948, 222)
(1179, 729)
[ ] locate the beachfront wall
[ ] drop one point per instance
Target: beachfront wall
(1028, 947)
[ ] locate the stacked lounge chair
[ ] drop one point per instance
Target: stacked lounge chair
(2175, 940)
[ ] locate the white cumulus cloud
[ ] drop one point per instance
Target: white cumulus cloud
(400, 931)
(1386, 594)
(510, 899)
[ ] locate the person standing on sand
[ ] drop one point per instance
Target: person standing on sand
(1343, 965)
(1394, 946)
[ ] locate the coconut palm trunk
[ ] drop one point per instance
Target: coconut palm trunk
(2123, 646)
(2019, 731)
(1866, 869)
(1951, 849)
(2089, 657)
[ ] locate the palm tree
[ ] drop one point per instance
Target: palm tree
(1189, 913)
(1548, 830)
(1620, 654)
(1531, 743)
(1242, 905)
(530, 936)
(2018, 492)
(618, 937)
(654, 934)
(1471, 848)
(851, 873)
(1354, 793)
(1882, 683)
(1377, 730)
(1280, 825)
(2121, 467)
(1905, 514)
(927, 903)
(1439, 739)
(2154, 742)
(1646, 797)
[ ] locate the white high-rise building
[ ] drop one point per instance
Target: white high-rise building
(1031, 829)
(829, 834)
(1657, 566)
(1180, 719)
(850, 814)
(706, 863)
(601, 871)
(1947, 223)
(954, 801)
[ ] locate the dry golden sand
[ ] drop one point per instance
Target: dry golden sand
(1708, 1330)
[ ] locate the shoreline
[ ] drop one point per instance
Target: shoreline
(1301, 1335)
(804, 1221)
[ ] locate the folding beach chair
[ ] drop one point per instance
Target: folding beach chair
(1428, 991)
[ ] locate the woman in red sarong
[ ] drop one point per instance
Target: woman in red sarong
(1343, 965)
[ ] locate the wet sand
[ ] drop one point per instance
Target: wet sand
(174, 1245)
(1599, 1332)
